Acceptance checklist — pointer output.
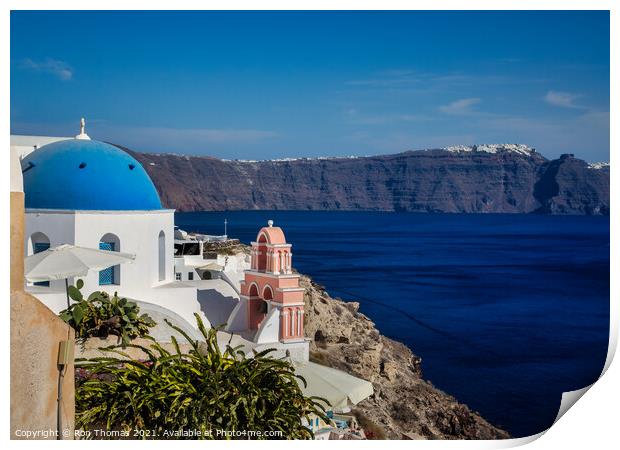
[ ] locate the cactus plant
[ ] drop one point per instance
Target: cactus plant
(100, 315)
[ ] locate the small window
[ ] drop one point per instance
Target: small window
(41, 247)
(107, 276)
(190, 275)
(177, 276)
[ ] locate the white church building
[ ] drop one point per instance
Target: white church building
(92, 194)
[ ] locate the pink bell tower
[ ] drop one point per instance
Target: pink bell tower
(274, 298)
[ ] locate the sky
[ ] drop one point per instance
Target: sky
(265, 85)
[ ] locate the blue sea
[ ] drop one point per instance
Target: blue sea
(506, 311)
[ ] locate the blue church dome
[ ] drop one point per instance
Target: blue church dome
(81, 174)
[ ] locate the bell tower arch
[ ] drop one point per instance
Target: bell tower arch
(270, 287)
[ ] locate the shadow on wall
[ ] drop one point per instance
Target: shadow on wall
(215, 306)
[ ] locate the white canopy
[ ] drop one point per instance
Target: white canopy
(66, 261)
(212, 266)
(339, 388)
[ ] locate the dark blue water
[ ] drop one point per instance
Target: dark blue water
(506, 311)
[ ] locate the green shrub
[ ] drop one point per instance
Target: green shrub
(203, 389)
(102, 316)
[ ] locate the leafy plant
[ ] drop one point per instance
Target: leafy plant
(100, 315)
(203, 389)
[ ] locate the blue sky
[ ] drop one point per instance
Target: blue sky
(269, 85)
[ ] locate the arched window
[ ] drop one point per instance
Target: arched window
(267, 293)
(261, 262)
(258, 308)
(39, 242)
(111, 275)
(253, 290)
(161, 245)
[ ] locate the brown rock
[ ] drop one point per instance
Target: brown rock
(404, 404)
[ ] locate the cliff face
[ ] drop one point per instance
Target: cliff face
(569, 185)
(403, 404)
(473, 181)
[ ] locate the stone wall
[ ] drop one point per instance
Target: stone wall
(36, 333)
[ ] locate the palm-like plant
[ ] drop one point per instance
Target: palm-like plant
(203, 389)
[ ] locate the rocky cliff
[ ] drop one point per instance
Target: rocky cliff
(483, 179)
(570, 186)
(404, 405)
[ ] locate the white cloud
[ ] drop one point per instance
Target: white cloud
(59, 69)
(460, 107)
(561, 99)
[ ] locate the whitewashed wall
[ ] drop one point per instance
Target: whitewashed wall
(138, 232)
(59, 227)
